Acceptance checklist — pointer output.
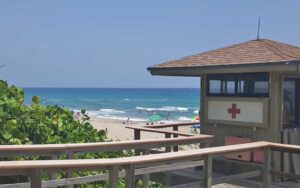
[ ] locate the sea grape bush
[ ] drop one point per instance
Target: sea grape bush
(40, 124)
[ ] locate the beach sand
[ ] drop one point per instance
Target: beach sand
(116, 131)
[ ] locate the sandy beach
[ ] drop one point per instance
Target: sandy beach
(117, 132)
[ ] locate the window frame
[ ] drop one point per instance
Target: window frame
(237, 77)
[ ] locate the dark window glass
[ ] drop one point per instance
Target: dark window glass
(244, 84)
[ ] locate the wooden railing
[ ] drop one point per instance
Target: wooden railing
(55, 150)
(142, 164)
(168, 134)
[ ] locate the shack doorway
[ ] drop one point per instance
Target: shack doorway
(291, 121)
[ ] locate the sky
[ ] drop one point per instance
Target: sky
(110, 43)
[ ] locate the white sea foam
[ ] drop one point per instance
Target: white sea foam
(121, 118)
(184, 119)
(112, 111)
(196, 111)
(164, 109)
(104, 112)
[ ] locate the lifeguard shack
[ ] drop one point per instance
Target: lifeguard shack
(249, 92)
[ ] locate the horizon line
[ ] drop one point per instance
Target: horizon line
(30, 87)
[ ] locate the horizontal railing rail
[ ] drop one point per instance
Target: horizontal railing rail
(59, 149)
(34, 169)
(173, 125)
(168, 134)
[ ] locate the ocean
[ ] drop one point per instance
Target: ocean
(176, 104)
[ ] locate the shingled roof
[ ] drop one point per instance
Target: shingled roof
(251, 52)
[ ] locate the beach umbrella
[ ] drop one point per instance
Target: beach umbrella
(154, 118)
(196, 118)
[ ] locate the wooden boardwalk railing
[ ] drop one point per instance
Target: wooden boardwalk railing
(55, 150)
(34, 169)
(168, 134)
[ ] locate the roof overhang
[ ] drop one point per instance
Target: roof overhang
(196, 71)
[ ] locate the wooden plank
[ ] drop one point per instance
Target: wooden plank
(113, 179)
(267, 168)
(207, 179)
(129, 176)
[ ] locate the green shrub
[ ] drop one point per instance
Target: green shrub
(39, 124)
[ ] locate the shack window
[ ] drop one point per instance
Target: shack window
(240, 85)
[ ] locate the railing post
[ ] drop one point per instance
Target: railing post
(129, 176)
(69, 173)
(52, 175)
(266, 168)
(137, 136)
(175, 128)
(113, 177)
(145, 177)
(35, 178)
(168, 135)
(207, 181)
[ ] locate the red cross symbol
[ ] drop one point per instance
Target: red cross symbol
(234, 111)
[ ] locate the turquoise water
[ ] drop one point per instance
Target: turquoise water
(121, 103)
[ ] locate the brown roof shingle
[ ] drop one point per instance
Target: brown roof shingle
(254, 51)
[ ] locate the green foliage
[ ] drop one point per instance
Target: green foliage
(39, 124)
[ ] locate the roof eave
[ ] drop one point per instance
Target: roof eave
(196, 71)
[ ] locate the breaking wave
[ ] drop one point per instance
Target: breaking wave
(164, 109)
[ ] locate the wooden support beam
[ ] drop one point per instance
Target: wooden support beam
(69, 173)
(207, 181)
(145, 177)
(52, 176)
(168, 135)
(113, 177)
(35, 178)
(129, 176)
(175, 128)
(137, 136)
(266, 168)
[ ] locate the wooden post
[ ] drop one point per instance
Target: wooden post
(175, 128)
(266, 168)
(137, 136)
(145, 177)
(52, 176)
(207, 181)
(113, 177)
(168, 135)
(129, 176)
(69, 173)
(35, 178)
